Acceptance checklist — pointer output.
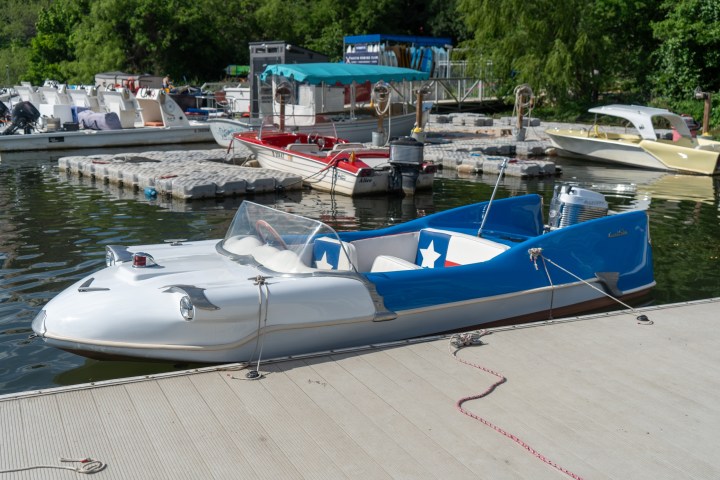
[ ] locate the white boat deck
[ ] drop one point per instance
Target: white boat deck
(603, 397)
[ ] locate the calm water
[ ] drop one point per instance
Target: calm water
(53, 230)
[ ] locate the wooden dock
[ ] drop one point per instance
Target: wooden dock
(604, 397)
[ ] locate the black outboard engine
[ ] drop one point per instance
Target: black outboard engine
(406, 158)
(24, 116)
(571, 204)
(4, 111)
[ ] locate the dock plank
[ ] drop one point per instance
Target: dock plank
(454, 381)
(133, 455)
(349, 453)
(85, 431)
(386, 450)
(283, 429)
(248, 434)
(207, 435)
(358, 382)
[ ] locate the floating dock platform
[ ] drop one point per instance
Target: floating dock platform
(601, 397)
(455, 142)
(180, 174)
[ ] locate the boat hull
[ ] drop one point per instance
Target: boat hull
(352, 130)
(310, 336)
(703, 159)
(80, 139)
(317, 176)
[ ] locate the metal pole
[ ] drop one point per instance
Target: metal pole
(487, 210)
(706, 115)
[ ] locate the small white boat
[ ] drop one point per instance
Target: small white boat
(279, 284)
(149, 118)
(333, 99)
(334, 165)
(646, 146)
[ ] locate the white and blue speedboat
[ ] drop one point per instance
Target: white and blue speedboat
(281, 284)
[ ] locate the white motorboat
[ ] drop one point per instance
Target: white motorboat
(279, 284)
(331, 164)
(149, 118)
(659, 140)
(323, 100)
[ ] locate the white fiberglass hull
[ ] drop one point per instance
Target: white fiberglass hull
(316, 174)
(686, 156)
(65, 140)
(305, 315)
(602, 150)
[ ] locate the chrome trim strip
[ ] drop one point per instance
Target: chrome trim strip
(120, 253)
(196, 294)
(85, 287)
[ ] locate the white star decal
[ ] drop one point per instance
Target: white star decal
(429, 255)
(323, 264)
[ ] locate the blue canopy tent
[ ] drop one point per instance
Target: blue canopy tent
(342, 73)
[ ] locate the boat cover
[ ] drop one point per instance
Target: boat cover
(99, 121)
(342, 73)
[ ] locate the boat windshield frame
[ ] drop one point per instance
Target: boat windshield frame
(644, 119)
(262, 235)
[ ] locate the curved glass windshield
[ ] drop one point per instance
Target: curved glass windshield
(279, 241)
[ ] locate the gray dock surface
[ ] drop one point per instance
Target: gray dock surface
(602, 396)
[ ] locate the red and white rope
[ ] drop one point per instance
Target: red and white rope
(464, 340)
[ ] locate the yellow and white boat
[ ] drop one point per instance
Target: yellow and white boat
(647, 146)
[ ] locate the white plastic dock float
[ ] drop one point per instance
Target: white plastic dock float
(180, 174)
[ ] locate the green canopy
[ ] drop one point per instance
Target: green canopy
(342, 73)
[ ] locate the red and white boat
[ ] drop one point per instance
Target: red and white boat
(335, 165)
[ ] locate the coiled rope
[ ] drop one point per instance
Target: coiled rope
(87, 466)
(467, 339)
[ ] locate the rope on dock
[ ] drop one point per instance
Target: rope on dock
(467, 339)
(87, 465)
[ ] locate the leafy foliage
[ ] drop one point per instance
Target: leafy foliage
(689, 52)
(573, 53)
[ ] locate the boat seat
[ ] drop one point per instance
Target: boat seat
(310, 148)
(441, 248)
(347, 146)
(241, 245)
(444, 248)
(332, 254)
(388, 263)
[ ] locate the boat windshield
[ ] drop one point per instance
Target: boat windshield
(279, 241)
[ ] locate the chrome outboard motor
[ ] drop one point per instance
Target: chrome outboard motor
(571, 205)
(24, 116)
(406, 158)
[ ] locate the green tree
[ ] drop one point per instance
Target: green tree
(51, 50)
(569, 50)
(689, 51)
(17, 28)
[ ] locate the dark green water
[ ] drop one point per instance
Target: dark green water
(53, 230)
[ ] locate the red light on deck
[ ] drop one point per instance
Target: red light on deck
(142, 260)
(365, 172)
